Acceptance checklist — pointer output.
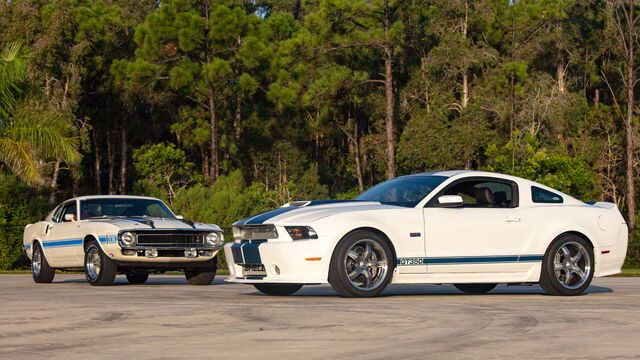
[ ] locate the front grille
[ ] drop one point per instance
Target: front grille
(184, 239)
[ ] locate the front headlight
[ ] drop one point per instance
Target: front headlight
(128, 239)
(301, 232)
(213, 239)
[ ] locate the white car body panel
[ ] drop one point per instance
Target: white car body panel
(63, 242)
(433, 244)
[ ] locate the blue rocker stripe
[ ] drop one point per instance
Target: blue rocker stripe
(70, 242)
(468, 260)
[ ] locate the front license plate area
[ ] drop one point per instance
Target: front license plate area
(253, 270)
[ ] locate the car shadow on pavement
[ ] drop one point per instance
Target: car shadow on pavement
(433, 290)
(162, 280)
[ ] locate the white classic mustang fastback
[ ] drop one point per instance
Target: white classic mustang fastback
(133, 235)
(467, 228)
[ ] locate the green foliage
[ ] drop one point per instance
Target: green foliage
(567, 174)
(164, 166)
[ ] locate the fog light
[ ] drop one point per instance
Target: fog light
(191, 253)
(129, 252)
(151, 253)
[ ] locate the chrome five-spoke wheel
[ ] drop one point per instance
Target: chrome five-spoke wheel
(366, 264)
(568, 266)
(361, 265)
(572, 265)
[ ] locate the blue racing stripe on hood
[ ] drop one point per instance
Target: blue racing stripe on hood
(261, 218)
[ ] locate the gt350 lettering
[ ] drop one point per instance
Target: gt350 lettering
(412, 261)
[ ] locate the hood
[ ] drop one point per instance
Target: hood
(155, 223)
(305, 212)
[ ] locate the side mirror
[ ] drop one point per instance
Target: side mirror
(179, 217)
(68, 217)
(448, 201)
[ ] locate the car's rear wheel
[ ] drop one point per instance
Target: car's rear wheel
(475, 288)
(568, 266)
(202, 275)
(362, 265)
(137, 277)
(278, 289)
(99, 269)
(40, 269)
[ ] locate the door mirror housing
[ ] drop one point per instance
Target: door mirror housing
(69, 217)
(179, 217)
(448, 201)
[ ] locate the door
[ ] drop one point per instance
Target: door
(484, 235)
(63, 239)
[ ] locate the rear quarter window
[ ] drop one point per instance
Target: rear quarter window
(543, 196)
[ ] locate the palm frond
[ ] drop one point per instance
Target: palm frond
(19, 158)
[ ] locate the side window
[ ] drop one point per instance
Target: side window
(483, 193)
(70, 209)
(57, 214)
(543, 196)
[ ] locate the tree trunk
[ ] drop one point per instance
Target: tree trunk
(237, 122)
(465, 89)
(465, 75)
(629, 146)
(96, 163)
(213, 123)
(356, 149)
(390, 103)
(122, 184)
(110, 161)
(54, 182)
(512, 118)
(561, 73)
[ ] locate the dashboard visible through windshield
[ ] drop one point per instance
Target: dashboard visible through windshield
(403, 191)
(123, 207)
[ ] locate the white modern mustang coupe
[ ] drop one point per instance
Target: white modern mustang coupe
(131, 235)
(471, 229)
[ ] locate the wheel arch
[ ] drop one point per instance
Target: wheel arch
(375, 231)
(580, 235)
(87, 238)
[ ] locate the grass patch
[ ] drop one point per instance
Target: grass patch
(629, 272)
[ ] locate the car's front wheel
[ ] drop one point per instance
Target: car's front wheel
(202, 275)
(475, 288)
(99, 269)
(40, 269)
(137, 277)
(278, 289)
(568, 266)
(362, 265)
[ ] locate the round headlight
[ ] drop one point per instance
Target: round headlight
(212, 239)
(128, 239)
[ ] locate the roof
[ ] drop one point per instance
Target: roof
(88, 197)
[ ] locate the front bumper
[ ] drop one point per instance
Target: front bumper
(299, 262)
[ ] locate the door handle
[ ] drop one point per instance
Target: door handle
(512, 219)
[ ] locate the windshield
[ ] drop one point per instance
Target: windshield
(402, 191)
(124, 207)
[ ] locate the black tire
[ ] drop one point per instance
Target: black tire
(40, 270)
(475, 288)
(99, 269)
(278, 289)
(555, 282)
(379, 277)
(203, 275)
(137, 277)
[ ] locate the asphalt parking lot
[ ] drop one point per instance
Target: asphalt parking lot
(167, 318)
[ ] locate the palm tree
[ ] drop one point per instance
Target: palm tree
(29, 134)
